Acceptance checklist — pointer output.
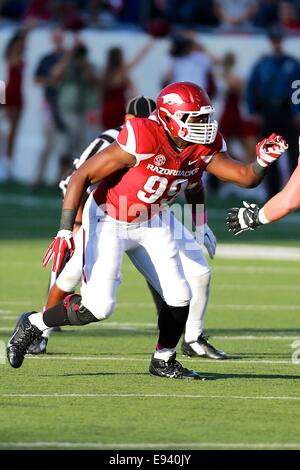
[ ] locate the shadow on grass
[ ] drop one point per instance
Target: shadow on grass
(217, 376)
(206, 375)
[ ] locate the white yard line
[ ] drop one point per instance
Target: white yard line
(248, 285)
(268, 252)
(153, 445)
(147, 395)
(134, 359)
(255, 270)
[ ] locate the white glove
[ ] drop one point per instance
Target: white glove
(210, 241)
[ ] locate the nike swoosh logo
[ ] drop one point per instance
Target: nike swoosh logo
(191, 163)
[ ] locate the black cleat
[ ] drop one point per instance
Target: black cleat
(38, 346)
(202, 348)
(22, 337)
(172, 369)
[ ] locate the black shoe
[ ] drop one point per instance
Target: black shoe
(21, 339)
(202, 348)
(38, 346)
(172, 369)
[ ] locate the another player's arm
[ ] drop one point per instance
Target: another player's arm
(94, 170)
(250, 216)
(286, 201)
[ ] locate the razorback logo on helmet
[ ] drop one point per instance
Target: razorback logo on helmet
(160, 160)
(172, 98)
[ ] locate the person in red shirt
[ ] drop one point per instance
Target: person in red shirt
(14, 57)
(151, 161)
(117, 86)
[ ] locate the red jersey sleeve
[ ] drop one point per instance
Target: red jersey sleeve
(138, 137)
(218, 146)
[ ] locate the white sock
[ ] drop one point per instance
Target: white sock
(164, 353)
(200, 295)
(36, 319)
(47, 333)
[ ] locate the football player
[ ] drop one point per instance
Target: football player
(250, 216)
(151, 161)
(194, 343)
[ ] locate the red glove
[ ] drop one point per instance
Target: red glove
(62, 244)
(270, 149)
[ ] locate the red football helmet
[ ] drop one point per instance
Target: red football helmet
(177, 104)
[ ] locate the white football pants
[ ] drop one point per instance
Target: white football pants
(166, 255)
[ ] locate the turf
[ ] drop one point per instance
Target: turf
(92, 389)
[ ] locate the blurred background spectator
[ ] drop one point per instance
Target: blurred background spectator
(235, 14)
(267, 13)
(53, 126)
(289, 14)
(189, 61)
(234, 125)
(38, 10)
(13, 9)
(78, 95)
(116, 85)
(270, 104)
(14, 58)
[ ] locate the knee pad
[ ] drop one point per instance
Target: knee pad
(77, 313)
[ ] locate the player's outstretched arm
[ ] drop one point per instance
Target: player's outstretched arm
(113, 158)
(250, 216)
(248, 176)
(286, 201)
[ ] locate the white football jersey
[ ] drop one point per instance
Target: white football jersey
(100, 143)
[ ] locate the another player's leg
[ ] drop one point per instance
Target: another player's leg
(39, 345)
(198, 275)
(157, 299)
(158, 260)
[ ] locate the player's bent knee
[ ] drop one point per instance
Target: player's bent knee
(180, 296)
(77, 313)
(102, 308)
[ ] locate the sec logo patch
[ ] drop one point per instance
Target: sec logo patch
(160, 160)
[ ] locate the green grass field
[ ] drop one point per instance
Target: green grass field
(92, 390)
